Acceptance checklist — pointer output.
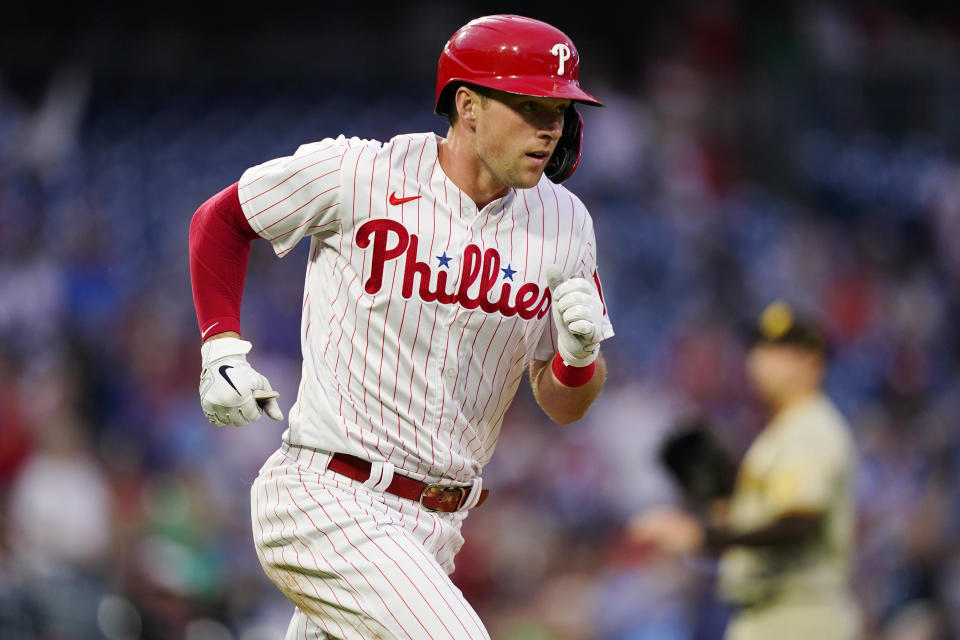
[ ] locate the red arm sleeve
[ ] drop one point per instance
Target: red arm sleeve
(220, 238)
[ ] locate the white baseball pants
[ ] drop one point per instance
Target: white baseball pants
(359, 564)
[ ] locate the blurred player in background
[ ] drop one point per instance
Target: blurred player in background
(785, 538)
(440, 269)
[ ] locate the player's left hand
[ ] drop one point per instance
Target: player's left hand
(231, 391)
(577, 312)
(667, 529)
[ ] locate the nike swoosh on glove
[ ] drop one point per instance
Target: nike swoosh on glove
(578, 313)
(231, 391)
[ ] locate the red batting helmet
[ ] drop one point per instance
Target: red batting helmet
(523, 56)
(513, 54)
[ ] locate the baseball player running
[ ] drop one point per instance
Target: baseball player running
(439, 270)
(787, 537)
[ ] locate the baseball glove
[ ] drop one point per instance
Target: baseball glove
(698, 463)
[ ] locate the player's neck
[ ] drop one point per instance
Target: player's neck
(465, 170)
(794, 398)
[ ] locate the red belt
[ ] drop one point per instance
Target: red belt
(435, 497)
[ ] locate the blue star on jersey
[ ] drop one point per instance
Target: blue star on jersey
(508, 273)
(444, 260)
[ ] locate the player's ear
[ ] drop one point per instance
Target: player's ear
(467, 103)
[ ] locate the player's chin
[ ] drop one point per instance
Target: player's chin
(527, 184)
(527, 178)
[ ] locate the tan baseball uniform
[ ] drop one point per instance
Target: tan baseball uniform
(803, 462)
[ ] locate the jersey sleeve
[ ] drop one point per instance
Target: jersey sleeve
(288, 198)
(586, 268)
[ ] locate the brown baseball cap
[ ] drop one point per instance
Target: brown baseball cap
(781, 323)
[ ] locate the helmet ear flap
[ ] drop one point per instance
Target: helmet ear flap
(566, 156)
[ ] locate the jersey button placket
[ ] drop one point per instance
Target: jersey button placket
(449, 374)
(445, 314)
(456, 317)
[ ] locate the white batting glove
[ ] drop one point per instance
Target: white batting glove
(231, 391)
(577, 312)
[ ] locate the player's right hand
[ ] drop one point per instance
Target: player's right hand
(231, 391)
(667, 530)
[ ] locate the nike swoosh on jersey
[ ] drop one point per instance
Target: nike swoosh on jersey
(204, 334)
(223, 372)
(394, 200)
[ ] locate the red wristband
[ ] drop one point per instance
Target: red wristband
(572, 376)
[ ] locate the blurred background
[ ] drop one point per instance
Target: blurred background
(749, 151)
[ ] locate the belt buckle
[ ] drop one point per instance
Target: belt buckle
(444, 489)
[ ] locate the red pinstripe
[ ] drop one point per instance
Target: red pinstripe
(262, 193)
(333, 311)
(503, 400)
(427, 562)
(463, 331)
(472, 432)
(570, 235)
(435, 311)
(289, 581)
(483, 411)
(383, 338)
(312, 583)
(443, 395)
(341, 318)
(556, 244)
(353, 209)
(332, 545)
(340, 248)
(295, 158)
(274, 163)
(366, 341)
(340, 324)
(283, 163)
(483, 362)
(543, 234)
(417, 332)
(404, 315)
(426, 365)
(370, 562)
(526, 264)
(255, 180)
(285, 577)
(297, 228)
(291, 194)
(456, 314)
(432, 531)
(420, 566)
(353, 343)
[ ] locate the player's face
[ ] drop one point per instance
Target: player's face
(777, 370)
(516, 136)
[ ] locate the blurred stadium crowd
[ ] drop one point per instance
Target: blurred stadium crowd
(814, 157)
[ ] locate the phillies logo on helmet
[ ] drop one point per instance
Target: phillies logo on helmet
(562, 52)
(390, 241)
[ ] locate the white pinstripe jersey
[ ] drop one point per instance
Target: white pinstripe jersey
(420, 313)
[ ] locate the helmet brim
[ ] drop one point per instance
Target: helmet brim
(537, 86)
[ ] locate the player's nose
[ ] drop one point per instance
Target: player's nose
(551, 125)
